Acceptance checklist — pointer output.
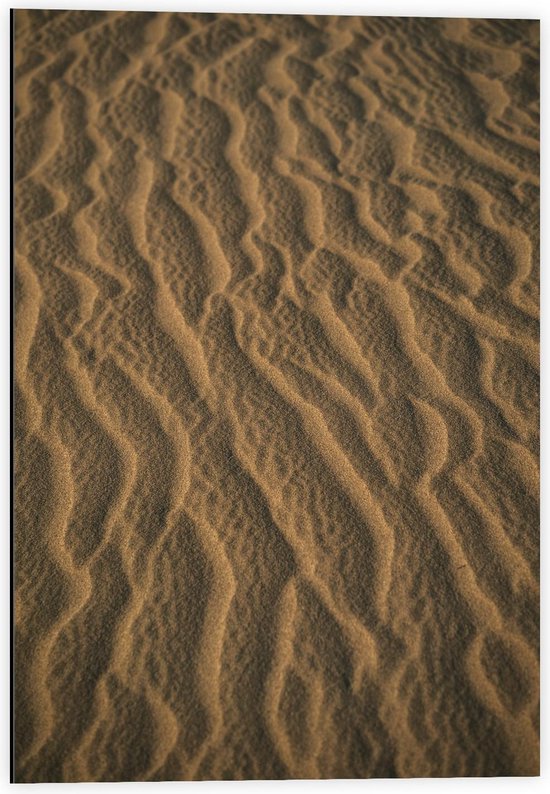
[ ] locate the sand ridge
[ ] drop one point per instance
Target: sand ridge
(276, 378)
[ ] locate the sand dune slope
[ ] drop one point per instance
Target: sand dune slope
(276, 383)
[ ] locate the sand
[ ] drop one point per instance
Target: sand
(276, 373)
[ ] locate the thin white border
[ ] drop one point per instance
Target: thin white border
(532, 9)
(511, 9)
(5, 484)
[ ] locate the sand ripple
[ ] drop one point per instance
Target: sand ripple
(276, 396)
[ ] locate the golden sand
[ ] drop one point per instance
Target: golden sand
(276, 396)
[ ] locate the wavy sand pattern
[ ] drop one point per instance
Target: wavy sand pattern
(276, 396)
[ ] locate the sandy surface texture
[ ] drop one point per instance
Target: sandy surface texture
(276, 375)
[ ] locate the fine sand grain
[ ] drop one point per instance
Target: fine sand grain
(276, 381)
